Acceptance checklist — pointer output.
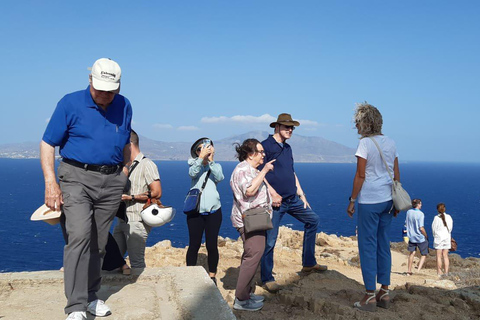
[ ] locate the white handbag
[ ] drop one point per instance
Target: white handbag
(401, 199)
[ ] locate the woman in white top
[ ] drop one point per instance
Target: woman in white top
(372, 186)
(442, 233)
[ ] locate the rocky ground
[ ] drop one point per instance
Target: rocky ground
(330, 295)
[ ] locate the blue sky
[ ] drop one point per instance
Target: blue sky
(220, 68)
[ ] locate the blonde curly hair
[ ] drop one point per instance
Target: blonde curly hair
(368, 120)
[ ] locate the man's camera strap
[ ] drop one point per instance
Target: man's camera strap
(134, 165)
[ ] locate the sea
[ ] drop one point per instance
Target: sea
(34, 245)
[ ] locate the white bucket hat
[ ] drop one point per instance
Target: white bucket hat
(106, 75)
(46, 214)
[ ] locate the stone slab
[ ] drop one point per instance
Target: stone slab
(166, 293)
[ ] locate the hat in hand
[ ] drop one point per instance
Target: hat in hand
(286, 120)
(46, 214)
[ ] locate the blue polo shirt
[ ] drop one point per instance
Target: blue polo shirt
(282, 178)
(88, 134)
(414, 222)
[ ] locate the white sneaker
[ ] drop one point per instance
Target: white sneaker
(98, 308)
(77, 315)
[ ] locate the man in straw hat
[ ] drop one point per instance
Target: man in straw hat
(92, 129)
(287, 197)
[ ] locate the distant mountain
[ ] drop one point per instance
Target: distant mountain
(305, 149)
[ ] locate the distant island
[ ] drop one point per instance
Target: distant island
(305, 149)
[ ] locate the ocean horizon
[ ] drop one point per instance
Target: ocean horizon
(31, 246)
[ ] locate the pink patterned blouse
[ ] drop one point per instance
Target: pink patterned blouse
(240, 181)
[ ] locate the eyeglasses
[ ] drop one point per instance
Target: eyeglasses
(261, 151)
(288, 127)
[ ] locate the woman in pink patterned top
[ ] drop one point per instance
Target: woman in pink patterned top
(249, 191)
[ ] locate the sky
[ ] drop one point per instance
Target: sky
(222, 68)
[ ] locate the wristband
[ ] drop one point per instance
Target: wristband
(133, 197)
(352, 199)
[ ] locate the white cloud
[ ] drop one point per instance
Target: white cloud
(162, 126)
(187, 128)
(308, 123)
(266, 118)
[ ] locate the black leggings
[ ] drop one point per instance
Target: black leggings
(211, 224)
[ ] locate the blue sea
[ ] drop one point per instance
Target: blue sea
(30, 246)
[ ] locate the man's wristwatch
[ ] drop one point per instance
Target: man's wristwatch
(133, 197)
(352, 199)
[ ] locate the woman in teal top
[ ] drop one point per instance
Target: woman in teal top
(209, 218)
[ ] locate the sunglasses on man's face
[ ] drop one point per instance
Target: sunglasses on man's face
(289, 127)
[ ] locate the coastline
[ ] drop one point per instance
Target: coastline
(327, 295)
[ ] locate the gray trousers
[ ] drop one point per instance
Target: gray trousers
(132, 237)
(253, 249)
(91, 200)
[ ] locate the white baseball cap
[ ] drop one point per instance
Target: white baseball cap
(106, 75)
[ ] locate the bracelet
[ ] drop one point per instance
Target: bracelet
(149, 194)
(352, 199)
(302, 195)
(133, 197)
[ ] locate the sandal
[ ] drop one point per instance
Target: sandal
(125, 270)
(383, 303)
(371, 307)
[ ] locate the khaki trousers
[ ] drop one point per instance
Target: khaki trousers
(253, 248)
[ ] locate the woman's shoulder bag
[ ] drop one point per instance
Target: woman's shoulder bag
(192, 200)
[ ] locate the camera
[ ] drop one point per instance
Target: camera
(206, 143)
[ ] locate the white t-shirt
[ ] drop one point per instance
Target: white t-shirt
(377, 187)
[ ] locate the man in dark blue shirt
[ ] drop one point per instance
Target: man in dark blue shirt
(92, 128)
(287, 197)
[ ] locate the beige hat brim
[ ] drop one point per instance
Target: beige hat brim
(44, 213)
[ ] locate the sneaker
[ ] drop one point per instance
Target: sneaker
(98, 308)
(257, 298)
(214, 281)
(77, 315)
(272, 286)
(315, 268)
(247, 305)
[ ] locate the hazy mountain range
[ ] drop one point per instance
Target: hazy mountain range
(305, 149)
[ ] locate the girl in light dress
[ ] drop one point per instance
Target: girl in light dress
(442, 233)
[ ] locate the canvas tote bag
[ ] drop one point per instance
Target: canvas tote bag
(401, 199)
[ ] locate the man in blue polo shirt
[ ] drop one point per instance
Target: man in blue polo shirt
(287, 197)
(417, 236)
(92, 128)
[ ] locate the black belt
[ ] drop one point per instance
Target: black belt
(105, 169)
